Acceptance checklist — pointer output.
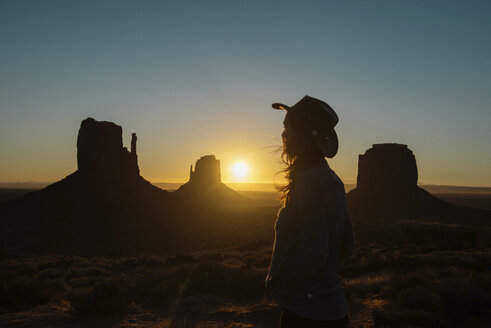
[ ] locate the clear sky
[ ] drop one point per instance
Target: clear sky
(198, 77)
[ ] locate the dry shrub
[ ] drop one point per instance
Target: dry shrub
(78, 261)
(76, 294)
(363, 286)
(106, 298)
(150, 261)
(369, 260)
(392, 316)
(90, 271)
(19, 268)
(84, 281)
(23, 291)
(180, 259)
(220, 280)
(126, 261)
(463, 299)
(403, 280)
(142, 284)
(253, 260)
(413, 298)
(430, 298)
(49, 273)
(103, 262)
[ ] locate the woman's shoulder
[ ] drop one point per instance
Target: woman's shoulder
(320, 176)
(319, 173)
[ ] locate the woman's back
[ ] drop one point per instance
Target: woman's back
(336, 228)
(312, 233)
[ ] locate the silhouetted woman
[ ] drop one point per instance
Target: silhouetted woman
(313, 230)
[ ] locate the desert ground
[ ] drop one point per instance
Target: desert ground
(404, 273)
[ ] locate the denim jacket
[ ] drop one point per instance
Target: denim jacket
(312, 233)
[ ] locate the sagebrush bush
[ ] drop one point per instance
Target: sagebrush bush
(180, 259)
(418, 297)
(217, 279)
(365, 285)
(150, 261)
(259, 261)
(22, 291)
(84, 281)
(106, 298)
(441, 298)
(89, 271)
(392, 316)
(49, 273)
(463, 299)
(403, 280)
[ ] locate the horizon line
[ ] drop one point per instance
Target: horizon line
(46, 183)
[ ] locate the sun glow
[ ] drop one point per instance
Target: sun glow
(240, 171)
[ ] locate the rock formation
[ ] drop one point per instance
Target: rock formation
(387, 185)
(107, 171)
(206, 171)
(100, 150)
(205, 185)
(105, 206)
(387, 167)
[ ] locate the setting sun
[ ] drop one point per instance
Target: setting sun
(240, 170)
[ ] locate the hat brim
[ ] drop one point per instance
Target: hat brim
(332, 144)
(280, 106)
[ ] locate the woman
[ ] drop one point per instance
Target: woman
(313, 231)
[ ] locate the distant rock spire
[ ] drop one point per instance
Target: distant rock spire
(133, 143)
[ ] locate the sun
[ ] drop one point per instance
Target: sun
(240, 170)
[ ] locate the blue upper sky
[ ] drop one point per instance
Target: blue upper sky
(198, 77)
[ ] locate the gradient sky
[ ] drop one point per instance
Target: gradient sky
(198, 77)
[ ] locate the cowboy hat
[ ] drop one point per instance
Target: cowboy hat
(316, 116)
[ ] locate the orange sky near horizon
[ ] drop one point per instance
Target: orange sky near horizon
(164, 167)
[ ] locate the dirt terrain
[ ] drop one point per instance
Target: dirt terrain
(405, 272)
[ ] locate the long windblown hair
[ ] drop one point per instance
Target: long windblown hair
(299, 152)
